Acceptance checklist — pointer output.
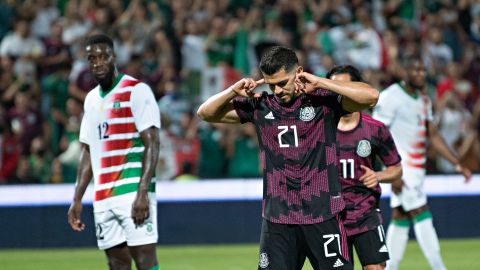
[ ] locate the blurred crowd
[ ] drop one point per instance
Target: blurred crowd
(187, 50)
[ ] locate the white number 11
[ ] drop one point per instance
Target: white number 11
(345, 163)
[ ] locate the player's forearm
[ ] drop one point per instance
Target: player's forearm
(442, 148)
(150, 157)
(84, 174)
(214, 107)
(390, 174)
(361, 94)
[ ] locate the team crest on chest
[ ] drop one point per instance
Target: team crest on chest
(363, 148)
(307, 113)
(116, 105)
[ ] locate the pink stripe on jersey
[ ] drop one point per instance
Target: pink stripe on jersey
(416, 155)
(127, 83)
(121, 97)
(419, 145)
(121, 128)
(416, 166)
(117, 145)
(372, 121)
(112, 161)
(119, 113)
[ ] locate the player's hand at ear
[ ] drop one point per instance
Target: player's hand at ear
(74, 213)
(246, 87)
(306, 82)
(369, 178)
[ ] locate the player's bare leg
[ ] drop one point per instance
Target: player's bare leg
(145, 256)
(397, 237)
(379, 266)
(119, 257)
(427, 237)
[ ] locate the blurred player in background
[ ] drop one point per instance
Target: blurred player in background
(296, 128)
(407, 111)
(361, 139)
(119, 138)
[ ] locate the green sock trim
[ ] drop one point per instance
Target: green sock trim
(156, 267)
(402, 222)
(422, 216)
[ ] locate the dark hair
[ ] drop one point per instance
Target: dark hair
(276, 58)
(409, 60)
(99, 39)
(354, 73)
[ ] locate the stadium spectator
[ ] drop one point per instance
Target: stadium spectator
(407, 111)
(284, 122)
(253, 25)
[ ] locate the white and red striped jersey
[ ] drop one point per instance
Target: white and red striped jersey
(406, 116)
(111, 126)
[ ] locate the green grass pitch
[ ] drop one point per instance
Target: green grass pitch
(458, 254)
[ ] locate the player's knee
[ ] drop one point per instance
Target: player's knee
(380, 266)
(145, 262)
(115, 263)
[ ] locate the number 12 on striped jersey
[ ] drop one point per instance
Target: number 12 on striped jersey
(103, 130)
(348, 166)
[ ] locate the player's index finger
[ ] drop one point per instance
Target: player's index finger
(261, 81)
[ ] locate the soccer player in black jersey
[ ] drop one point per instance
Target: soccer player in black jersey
(361, 139)
(296, 127)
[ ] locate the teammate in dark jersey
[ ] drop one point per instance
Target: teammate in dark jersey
(296, 128)
(361, 139)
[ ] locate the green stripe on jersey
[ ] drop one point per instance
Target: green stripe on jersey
(134, 157)
(137, 142)
(130, 172)
(132, 187)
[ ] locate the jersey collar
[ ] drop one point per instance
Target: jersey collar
(114, 84)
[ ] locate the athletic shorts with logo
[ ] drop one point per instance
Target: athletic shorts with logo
(286, 247)
(412, 195)
(116, 226)
(370, 246)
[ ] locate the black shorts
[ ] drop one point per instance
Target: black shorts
(370, 246)
(285, 247)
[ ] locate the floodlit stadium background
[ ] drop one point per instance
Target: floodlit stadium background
(186, 50)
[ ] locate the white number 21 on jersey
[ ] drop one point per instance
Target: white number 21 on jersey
(283, 130)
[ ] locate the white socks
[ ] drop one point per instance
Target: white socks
(428, 240)
(397, 238)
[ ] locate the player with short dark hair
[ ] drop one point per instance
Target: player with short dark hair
(407, 111)
(296, 128)
(361, 139)
(119, 148)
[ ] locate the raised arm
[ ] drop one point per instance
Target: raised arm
(357, 96)
(219, 107)
(84, 176)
